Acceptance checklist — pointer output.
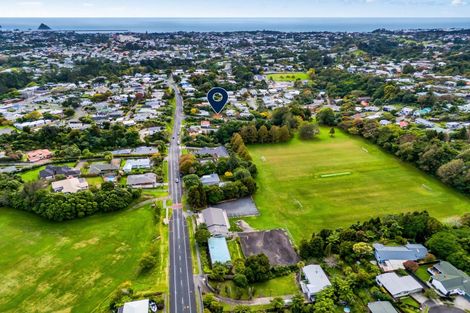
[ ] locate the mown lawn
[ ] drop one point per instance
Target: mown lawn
(95, 181)
(422, 273)
(280, 286)
(293, 195)
(288, 77)
(74, 266)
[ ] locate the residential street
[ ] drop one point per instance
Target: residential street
(182, 294)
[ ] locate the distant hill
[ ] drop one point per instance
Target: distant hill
(43, 27)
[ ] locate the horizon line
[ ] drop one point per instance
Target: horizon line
(240, 17)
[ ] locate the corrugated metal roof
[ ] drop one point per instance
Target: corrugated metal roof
(218, 250)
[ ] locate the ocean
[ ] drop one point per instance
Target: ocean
(164, 25)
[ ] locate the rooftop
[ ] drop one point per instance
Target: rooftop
(218, 250)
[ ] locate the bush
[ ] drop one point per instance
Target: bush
(411, 266)
(147, 262)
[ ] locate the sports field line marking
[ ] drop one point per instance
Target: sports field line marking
(335, 174)
(426, 187)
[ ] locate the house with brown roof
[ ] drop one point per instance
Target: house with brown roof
(38, 155)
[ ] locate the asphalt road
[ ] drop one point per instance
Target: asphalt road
(182, 291)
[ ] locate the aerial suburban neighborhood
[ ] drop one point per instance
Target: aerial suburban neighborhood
(336, 177)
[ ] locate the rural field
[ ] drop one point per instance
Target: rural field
(74, 266)
(288, 77)
(298, 192)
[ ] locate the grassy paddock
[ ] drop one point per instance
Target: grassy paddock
(293, 195)
(74, 266)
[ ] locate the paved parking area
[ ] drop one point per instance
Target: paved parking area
(241, 207)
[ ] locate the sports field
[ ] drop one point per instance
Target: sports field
(288, 77)
(333, 182)
(73, 266)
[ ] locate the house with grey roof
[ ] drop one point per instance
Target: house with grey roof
(381, 307)
(216, 221)
(449, 280)
(212, 179)
(102, 169)
(398, 286)
(391, 258)
(315, 280)
(134, 164)
(139, 306)
(217, 152)
(147, 180)
(52, 171)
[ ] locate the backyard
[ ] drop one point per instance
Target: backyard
(75, 266)
(279, 286)
(300, 188)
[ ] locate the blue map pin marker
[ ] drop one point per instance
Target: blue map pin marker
(217, 105)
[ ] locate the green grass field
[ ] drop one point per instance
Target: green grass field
(288, 77)
(74, 266)
(293, 195)
(279, 286)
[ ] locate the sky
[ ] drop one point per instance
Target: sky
(234, 8)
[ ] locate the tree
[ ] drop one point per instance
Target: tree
(362, 249)
(240, 280)
(327, 117)
(257, 268)
(308, 131)
(284, 134)
(263, 134)
(249, 134)
(197, 197)
(188, 164)
(411, 266)
(297, 303)
(236, 141)
(241, 173)
(443, 244)
(147, 261)
(324, 301)
(461, 260)
(317, 247)
(218, 272)
(191, 181)
(342, 289)
(69, 112)
(277, 304)
(451, 170)
(211, 304)
(275, 134)
(202, 234)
